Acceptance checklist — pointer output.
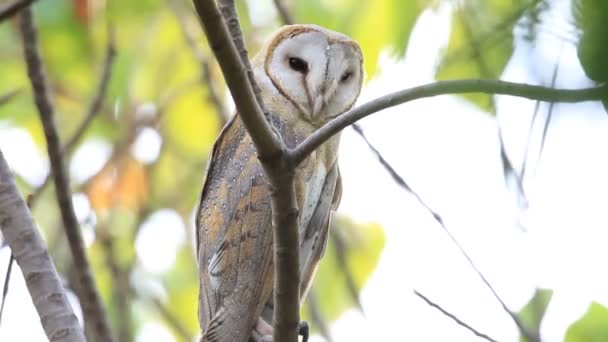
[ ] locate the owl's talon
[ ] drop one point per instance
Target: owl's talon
(303, 330)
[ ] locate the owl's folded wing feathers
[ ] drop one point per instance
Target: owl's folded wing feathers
(234, 239)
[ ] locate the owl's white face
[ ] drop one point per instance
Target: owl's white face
(319, 71)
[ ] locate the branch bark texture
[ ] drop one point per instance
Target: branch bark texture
(94, 312)
(49, 297)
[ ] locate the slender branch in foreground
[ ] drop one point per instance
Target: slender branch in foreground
(316, 316)
(90, 300)
(236, 75)
(231, 19)
(9, 10)
(43, 283)
(340, 245)
(284, 14)
(203, 61)
(274, 159)
(7, 279)
(92, 111)
(6, 97)
(454, 318)
(401, 182)
(442, 88)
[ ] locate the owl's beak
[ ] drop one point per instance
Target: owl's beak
(321, 97)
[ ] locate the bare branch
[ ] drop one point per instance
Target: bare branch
(90, 300)
(7, 279)
(272, 154)
(236, 75)
(12, 8)
(9, 95)
(454, 318)
(284, 14)
(212, 91)
(442, 88)
(231, 19)
(100, 93)
(92, 111)
(316, 315)
(401, 182)
(340, 245)
(49, 297)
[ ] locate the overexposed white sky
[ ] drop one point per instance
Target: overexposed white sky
(447, 150)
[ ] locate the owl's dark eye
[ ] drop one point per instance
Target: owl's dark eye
(346, 76)
(298, 65)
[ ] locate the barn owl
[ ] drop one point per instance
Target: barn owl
(308, 75)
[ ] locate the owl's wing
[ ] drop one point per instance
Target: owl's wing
(234, 239)
(314, 241)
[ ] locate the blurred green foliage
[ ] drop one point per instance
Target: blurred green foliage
(592, 327)
(155, 84)
(591, 17)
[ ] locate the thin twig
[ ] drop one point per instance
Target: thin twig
(236, 75)
(316, 315)
(454, 318)
(284, 14)
(272, 154)
(442, 88)
(7, 278)
(120, 285)
(92, 111)
(9, 10)
(340, 246)
(231, 19)
(543, 136)
(90, 300)
(9, 95)
(170, 318)
(41, 278)
(401, 182)
(203, 61)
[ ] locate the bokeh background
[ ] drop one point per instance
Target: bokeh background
(520, 185)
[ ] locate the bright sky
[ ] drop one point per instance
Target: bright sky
(447, 150)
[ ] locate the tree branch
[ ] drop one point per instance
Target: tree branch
(231, 19)
(403, 184)
(273, 156)
(49, 297)
(212, 92)
(236, 75)
(284, 14)
(92, 111)
(8, 96)
(90, 300)
(454, 318)
(12, 8)
(442, 88)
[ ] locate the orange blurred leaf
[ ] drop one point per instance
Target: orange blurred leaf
(122, 183)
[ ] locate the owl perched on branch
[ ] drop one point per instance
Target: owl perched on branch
(308, 75)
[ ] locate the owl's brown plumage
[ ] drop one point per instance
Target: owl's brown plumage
(234, 219)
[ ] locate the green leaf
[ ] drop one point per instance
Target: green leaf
(591, 17)
(592, 327)
(532, 314)
(481, 42)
